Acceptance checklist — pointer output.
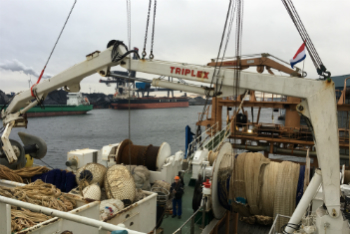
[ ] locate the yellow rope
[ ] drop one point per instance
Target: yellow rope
(18, 175)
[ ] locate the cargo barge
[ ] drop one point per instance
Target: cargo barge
(37, 111)
(150, 103)
(77, 104)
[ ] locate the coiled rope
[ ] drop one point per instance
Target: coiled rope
(38, 193)
(18, 175)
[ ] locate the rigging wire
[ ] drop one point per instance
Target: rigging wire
(217, 67)
(320, 68)
(59, 36)
(128, 9)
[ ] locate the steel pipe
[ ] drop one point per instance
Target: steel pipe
(305, 201)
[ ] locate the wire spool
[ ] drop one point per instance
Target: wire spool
(254, 166)
(286, 188)
(119, 183)
(238, 187)
(92, 173)
(267, 197)
(152, 157)
(218, 210)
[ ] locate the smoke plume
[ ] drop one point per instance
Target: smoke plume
(17, 66)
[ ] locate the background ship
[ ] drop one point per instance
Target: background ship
(57, 103)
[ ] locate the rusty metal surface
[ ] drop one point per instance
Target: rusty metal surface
(128, 153)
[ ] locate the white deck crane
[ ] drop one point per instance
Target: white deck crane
(318, 105)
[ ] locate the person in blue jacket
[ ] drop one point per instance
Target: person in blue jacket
(177, 190)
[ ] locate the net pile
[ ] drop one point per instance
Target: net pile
(141, 176)
(20, 174)
(38, 193)
(119, 183)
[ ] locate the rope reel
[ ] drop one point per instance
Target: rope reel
(152, 157)
(255, 187)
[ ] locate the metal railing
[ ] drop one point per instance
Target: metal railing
(273, 227)
(211, 139)
(190, 220)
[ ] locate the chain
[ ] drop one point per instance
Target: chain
(151, 56)
(146, 33)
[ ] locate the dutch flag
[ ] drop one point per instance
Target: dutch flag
(299, 56)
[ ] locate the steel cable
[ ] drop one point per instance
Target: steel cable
(320, 68)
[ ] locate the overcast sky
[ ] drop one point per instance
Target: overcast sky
(186, 31)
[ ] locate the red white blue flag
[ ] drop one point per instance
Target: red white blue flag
(299, 56)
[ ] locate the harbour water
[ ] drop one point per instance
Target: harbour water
(101, 127)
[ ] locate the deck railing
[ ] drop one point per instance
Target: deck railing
(189, 225)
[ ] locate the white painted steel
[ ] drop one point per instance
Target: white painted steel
(64, 215)
(83, 157)
(7, 148)
(163, 153)
(5, 218)
(70, 78)
(169, 169)
(181, 87)
(325, 224)
(141, 217)
(198, 158)
(305, 200)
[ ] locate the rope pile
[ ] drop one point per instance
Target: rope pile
(18, 175)
(38, 193)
